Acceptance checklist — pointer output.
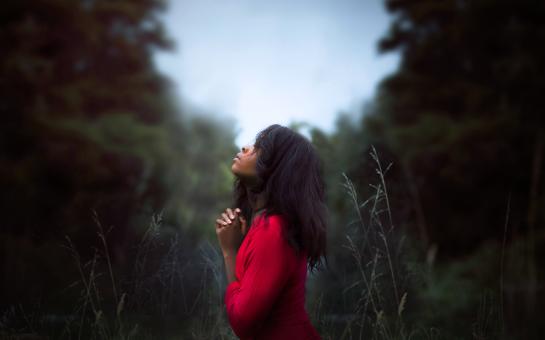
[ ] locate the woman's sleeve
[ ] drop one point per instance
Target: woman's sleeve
(269, 264)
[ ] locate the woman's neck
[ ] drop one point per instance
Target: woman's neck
(257, 201)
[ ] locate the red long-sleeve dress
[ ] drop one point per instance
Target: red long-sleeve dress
(267, 298)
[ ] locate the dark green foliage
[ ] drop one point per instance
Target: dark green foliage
(463, 112)
(462, 117)
(89, 125)
(461, 122)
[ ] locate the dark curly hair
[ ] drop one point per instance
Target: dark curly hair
(289, 176)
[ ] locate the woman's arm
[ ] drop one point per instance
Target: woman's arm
(269, 262)
(230, 231)
(230, 262)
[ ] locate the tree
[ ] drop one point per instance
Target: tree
(462, 113)
(90, 126)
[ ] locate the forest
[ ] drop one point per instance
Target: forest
(110, 188)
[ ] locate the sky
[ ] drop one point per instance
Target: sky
(276, 61)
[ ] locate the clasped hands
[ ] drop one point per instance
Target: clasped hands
(230, 229)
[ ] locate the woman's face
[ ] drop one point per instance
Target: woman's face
(244, 162)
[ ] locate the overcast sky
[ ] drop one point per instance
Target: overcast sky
(276, 61)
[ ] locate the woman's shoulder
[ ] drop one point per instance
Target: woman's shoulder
(274, 221)
(263, 224)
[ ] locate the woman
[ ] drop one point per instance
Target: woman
(279, 189)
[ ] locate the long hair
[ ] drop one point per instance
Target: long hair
(289, 175)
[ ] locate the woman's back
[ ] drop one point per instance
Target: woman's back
(267, 299)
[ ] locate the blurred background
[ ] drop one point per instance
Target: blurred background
(121, 119)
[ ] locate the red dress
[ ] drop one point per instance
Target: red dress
(267, 298)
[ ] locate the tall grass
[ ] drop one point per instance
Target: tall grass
(386, 281)
(171, 285)
(375, 248)
(207, 316)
